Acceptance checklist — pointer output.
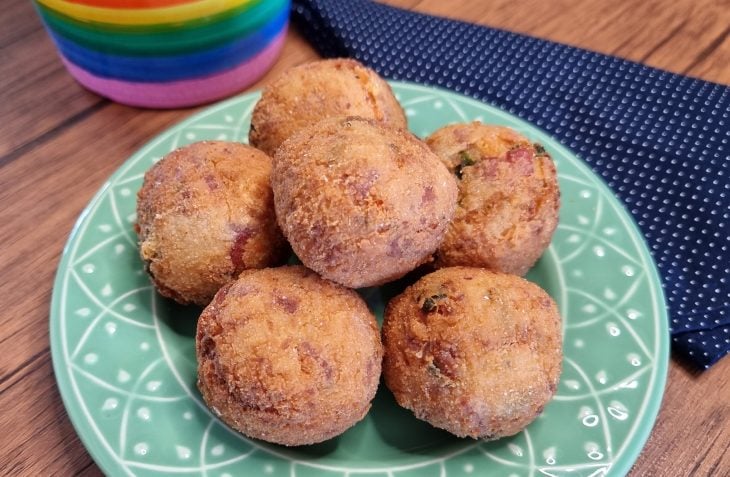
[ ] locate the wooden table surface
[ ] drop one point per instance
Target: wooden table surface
(59, 142)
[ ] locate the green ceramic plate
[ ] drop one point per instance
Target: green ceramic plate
(125, 363)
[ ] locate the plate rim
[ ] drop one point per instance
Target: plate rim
(654, 395)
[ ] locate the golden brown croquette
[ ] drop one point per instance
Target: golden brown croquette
(508, 198)
(308, 93)
(472, 351)
(361, 204)
(205, 212)
(288, 357)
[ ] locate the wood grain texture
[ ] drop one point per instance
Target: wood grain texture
(37, 95)
(33, 398)
(59, 142)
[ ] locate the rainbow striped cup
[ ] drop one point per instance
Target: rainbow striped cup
(166, 53)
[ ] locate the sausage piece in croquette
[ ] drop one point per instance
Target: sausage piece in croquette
(288, 357)
(205, 212)
(471, 351)
(361, 204)
(508, 198)
(308, 93)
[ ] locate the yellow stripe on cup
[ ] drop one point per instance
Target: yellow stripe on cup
(146, 16)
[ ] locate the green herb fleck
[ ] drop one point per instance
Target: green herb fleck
(539, 150)
(466, 160)
(433, 370)
(429, 304)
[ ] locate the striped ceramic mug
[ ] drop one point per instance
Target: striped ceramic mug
(166, 53)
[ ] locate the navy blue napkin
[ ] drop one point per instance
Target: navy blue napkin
(659, 140)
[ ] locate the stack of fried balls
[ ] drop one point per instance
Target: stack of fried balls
(292, 354)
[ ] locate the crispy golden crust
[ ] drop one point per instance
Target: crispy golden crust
(361, 204)
(308, 93)
(288, 357)
(205, 212)
(471, 351)
(508, 198)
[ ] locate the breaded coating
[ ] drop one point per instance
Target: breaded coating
(508, 198)
(205, 212)
(308, 93)
(361, 204)
(471, 351)
(288, 357)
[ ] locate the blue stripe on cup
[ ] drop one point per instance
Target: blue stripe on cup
(172, 67)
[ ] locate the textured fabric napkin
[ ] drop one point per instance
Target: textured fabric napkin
(659, 140)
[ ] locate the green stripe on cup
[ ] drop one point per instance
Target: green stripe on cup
(111, 28)
(179, 41)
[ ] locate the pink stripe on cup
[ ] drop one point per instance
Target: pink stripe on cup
(182, 93)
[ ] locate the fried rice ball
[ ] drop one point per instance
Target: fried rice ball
(288, 357)
(361, 204)
(472, 351)
(508, 198)
(205, 213)
(308, 93)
